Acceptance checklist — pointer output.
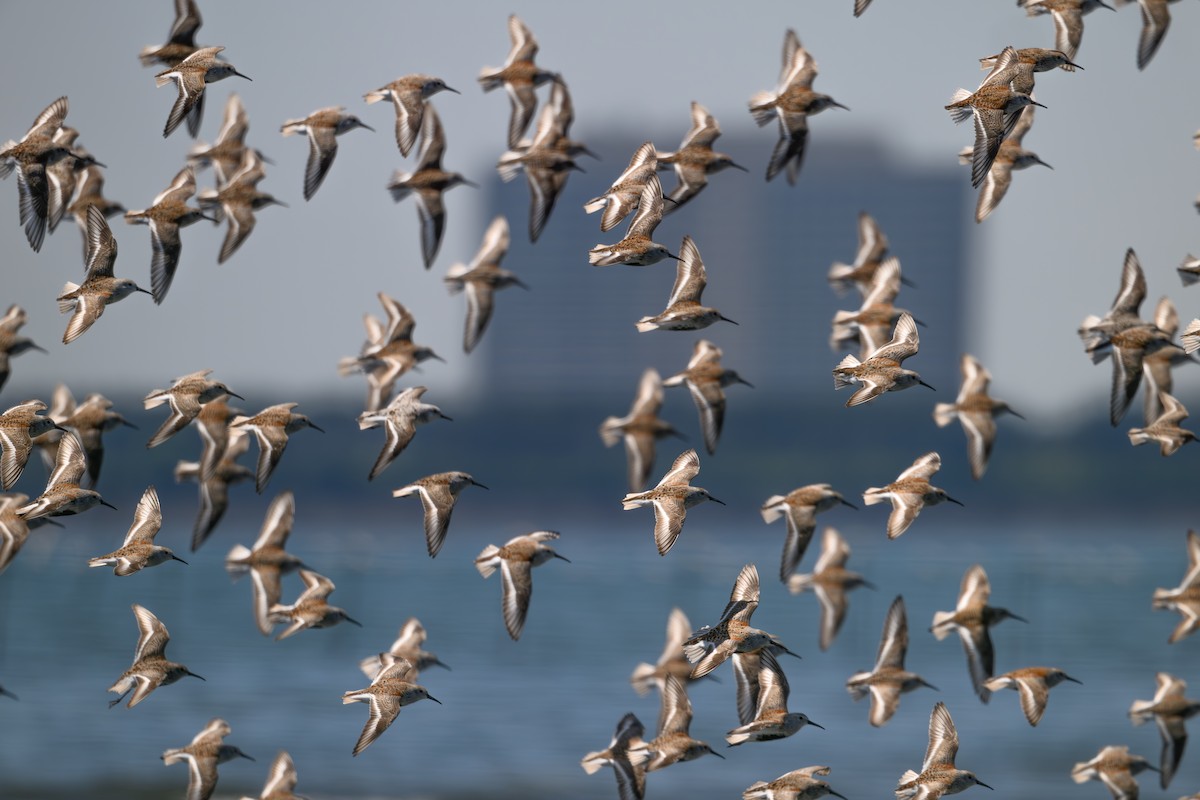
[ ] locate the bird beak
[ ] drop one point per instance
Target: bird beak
(1015, 414)
(353, 621)
(1039, 105)
(984, 785)
(738, 166)
(1043, 163)
(873, 587)
(715, 500)
(437, 357)
(316, 427)
(194, 675)
(1072, 680)
(936, 689)
(564, 558)
(239, 752)
(235, 394)
(472, 184)
(128, 423)
(727, 319)
(480, 485)
(815, 725)
(143, 291)
(365, 125)
(448, 89)
(748, 383)
(1073, 65)
(177, 558)
(846, 502)
(1018, 619)
(522, 284)
(926, 385)
(105, 503)
(917, 321)
(240, 75)
(952, 500)
(671, 255)
(434, 699)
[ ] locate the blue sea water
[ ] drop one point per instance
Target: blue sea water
(517, 716)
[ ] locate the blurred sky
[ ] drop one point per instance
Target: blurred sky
(1125, 173)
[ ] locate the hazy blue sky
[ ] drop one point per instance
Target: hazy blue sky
(1125, 173)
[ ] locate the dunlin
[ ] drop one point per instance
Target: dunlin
(18, 427)
(793, 102)
(388, 353)
(938, 775)
(391, 689)
(271, 428)
(30, 157)
(888, 679)
(216, 435)
(976, 411)
(1190, 338)
(1156, 18)
(438, 494)
(281, 780)
(1116, 767)
(548, 161)
(481, 279)
(191, 75)
(184, 396)
(799, 508)
(1068, 19)
(671, 498)
(237, 201)
(1157, 366)
(684, 311)
(12, 344)
(322, 127)
(1130, 348)
(429, 183)
(310, 609)
(267, 561)
(1015, 68)
(631, 780)
(637, 249)
(872, 249)
(626, 191)
(519, 76)
(1169, 709)
(63, 495)
(150, 667)
(91, 419)
(399, 420)
(712, 645)
(408, 94)
(62, 174)
(996, 110)
(100, 287)
(705, 379)
(767, 694)
(671, 662)
(872, 324)
(62, 406)
(673, 742)
(227, 151)
(206, 751)
(181, 41)
(1034, 684)
(408, 645)
(557, 116)
(516, 560)
(830, 580)
(1011, 156)
(139, 551)
(214, 490)
(640, 429)
(971, 618)
(14, 530)
(1189, 269)
(89, 191)
(910, 493)
(1095, 332)
(881, 372)
(166, 216)
(799, 784)
(695, 159)
(1184, 598)
(1165, 429)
